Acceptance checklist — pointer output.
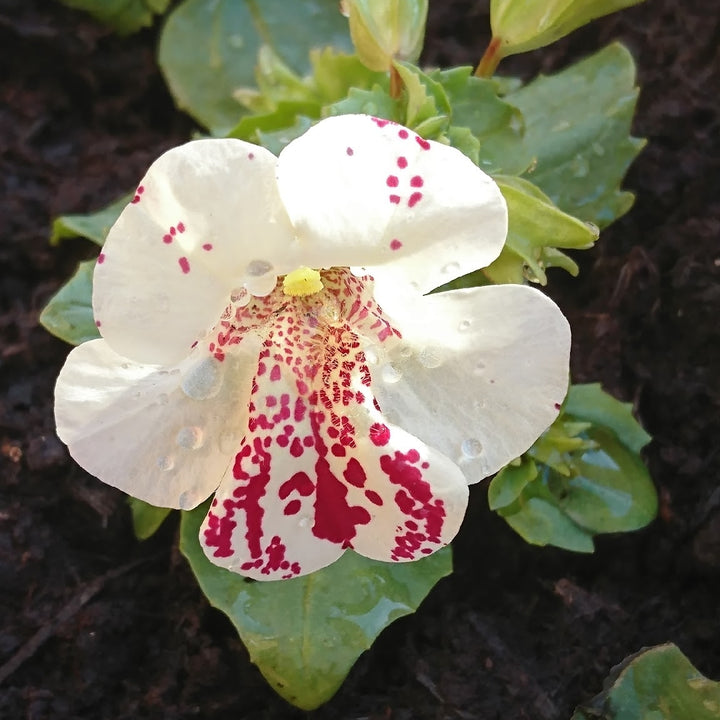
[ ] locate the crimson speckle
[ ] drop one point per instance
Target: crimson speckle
(173, 231)
(416, 181)
(395, 244)
(101, 258)
(184, 265)
(392, 181)
(379, 122)
(424, 144)
(558, 406)
(415, 198)
(251, 156)
(167, 239)
(98, 323)
(207, 247)
(402, 162)
(379, 434)
(403, 134)
(293, 507)
(394, 199)
(350, 151)
(181, 227)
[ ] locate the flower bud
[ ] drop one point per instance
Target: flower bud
(386, 30)
(523, 25)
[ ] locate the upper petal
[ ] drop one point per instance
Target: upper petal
(205, 218)
(164, 435)
(481, 375)
(367, 192)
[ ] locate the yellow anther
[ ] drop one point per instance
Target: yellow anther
(301, 282)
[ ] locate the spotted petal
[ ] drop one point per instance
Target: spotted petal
(205, 215)
(481, 375)
(164, 435)
(319, 471)
(370, 193)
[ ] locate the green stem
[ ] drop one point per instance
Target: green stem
(490, 60)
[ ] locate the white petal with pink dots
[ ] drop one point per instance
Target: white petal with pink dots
(267, 335)
(366, 192)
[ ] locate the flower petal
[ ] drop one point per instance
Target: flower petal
(366, 192)
(164, 435)
(318, 471)
(482, 374)
(205, 217)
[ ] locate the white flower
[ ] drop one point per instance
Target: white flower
(326, 407)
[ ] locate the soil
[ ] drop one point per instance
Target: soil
(97, 625)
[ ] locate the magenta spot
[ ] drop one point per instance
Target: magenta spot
(379, 434)
(394, 199)
(140, 190)
(402, 162)
(296, 449)
(373, 497)
(98, 323)
(415, 198)
(354, 473)
(167, 239)
(392, 181)
(135, 200)
(173, 231)
(184, 265)
(558, 406)
(207, 247)
(380, 122)
(181, 227)
(101, 258)
(350, 151)
(403, 134)
(416, 181)
(194, 345)
(251, 156)
(424, 144)
(293, 507)
(395, 244)
(275, 373)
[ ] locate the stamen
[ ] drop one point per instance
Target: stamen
(301, 282)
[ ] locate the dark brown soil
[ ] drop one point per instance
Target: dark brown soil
(517, 632)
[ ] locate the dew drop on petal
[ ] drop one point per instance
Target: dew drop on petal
(471, 448)
(190, 437)
(162, 399)
(430, 358)
(203, 380)
(390, 374)
(406, 351)
(166, 462)
(465, 325)
(240, 296)
(261, 285)
(371, 355)
(304, 522)
(479, 368)
(451, 268)
(186, 501)
(256, 268)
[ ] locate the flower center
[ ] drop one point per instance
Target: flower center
(302, 282)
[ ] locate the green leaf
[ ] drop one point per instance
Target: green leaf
(305, 634)
(424, 98)
(334, 73)
(146, 518)
(540, 522)
(375, 102)
(580, 478)
(536, 229)
(577, 129)
(93, 226)
(276, 140)
(209, 48)
(589, 402)
(125, 16)
(69, 314)
(657, 683)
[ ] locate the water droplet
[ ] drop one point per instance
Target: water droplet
(162, 399)
(598, 149)
(593, 228)
(240, 296)
(262, 285)
(236, 41)
(562, 125)
(390, 374)
(256, 268)
(471, 448)
(186, 501)
(430, 358)
(304, 522)
(579, 167)
(371, 355)
(166, 462)
(465, 325)
(451, 268)
(516, 124)
(125, 366)
(203, 380)
(479, 368)
(190, 437)
(406, 351)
